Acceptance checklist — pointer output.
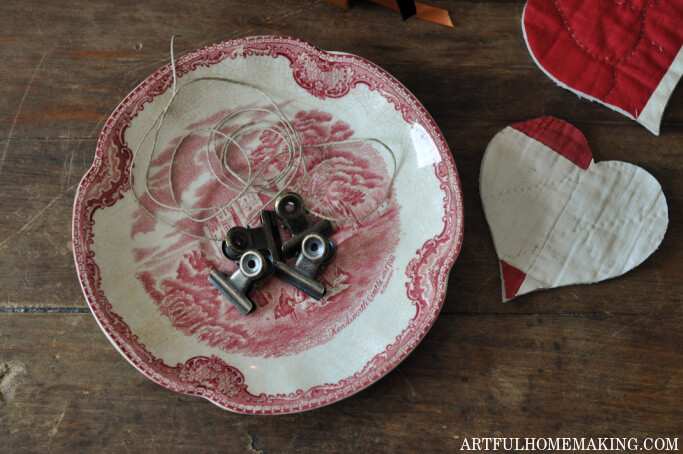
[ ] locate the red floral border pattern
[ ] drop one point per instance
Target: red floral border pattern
(323, 75)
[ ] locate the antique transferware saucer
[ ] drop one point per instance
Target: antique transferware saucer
(147, 282)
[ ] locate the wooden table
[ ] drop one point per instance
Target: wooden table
(595, 360)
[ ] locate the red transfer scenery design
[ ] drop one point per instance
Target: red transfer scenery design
(562, 137)
(323, 75)
(611, 50)
(343, 181)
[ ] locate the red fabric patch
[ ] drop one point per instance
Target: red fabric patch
(512, 278)
(559, 135)
(615, 51)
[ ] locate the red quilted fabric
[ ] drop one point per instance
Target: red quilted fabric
(616, 52)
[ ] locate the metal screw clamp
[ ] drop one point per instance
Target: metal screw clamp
(290, 208)
(265, 238)
(253, 266)
(316, 250)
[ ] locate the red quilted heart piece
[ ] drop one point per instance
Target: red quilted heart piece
(626, 54)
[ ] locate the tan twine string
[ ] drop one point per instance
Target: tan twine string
(227, 176)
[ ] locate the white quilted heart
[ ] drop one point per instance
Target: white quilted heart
(555, 223)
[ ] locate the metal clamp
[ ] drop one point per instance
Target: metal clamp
(290, 208)
(253, 265)
(265, 238)
(316, 250)
(261, 251)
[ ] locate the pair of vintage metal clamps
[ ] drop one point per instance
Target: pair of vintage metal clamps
(261, 252)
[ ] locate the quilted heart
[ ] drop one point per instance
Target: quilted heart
(558, 218)
(625, 54)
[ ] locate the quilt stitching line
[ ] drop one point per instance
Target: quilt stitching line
(605, 59)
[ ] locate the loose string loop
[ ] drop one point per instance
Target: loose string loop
(253, 182)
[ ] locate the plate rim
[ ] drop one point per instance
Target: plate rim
(447, 165)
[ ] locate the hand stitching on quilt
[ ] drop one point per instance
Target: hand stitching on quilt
(599, 57)
(547, 184)
(629, 6)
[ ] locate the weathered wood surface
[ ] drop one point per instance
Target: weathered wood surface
(583, 360)
(474, 375)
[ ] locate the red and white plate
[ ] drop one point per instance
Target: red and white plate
(147, 284)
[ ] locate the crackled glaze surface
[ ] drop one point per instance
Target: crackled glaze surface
(147, 283)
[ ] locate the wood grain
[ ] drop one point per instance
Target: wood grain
(473, 375)
(594, 360)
